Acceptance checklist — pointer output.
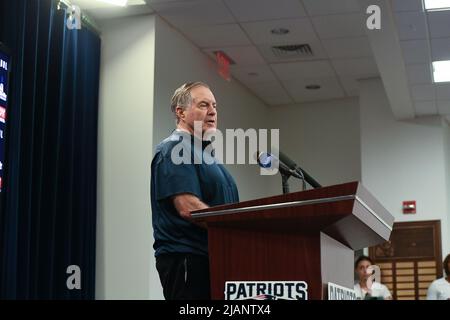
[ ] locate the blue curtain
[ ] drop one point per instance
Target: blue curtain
(48, 216)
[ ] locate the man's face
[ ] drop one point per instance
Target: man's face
(361, 269)
(203, 109)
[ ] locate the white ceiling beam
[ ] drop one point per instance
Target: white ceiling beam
(386, 48)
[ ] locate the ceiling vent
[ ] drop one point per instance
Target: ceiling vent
(293, 51)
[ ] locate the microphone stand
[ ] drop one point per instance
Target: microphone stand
(286, 173)
(285, 184)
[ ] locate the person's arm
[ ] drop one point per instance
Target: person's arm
(386, 294)
(185, 203)
(178, 184)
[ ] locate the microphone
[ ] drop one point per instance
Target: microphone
(286, 166)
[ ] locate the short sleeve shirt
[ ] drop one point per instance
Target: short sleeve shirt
(378, 291)
(439, 290)
(206, 179)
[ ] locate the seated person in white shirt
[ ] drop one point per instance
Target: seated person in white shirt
(440, 288)
(365, 290)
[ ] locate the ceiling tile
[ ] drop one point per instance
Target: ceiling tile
(360, 68)
(278, 100)
(268, 89)
(273, 56)
(348, 47)
(411, 25)
(407, 5)
(339, 26)
(242, 56)
(439, 22)
(415, 51)
(442, 91)
(254, 10)
(300, 31)
(194, 13)
(440, 49)
(419, 74)
(351, 86)
(324, 7)
(423, 92)
(443, 107)
(330, 89)
(299, 70)
(217, 35)
(254, 74)
(425, 108)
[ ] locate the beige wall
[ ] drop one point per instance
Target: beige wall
(323, 139)
(125, 144)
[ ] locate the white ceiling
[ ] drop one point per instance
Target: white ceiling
(424, 37)
(335, 30)
(241, 28)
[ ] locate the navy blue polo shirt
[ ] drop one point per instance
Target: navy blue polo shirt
(209, 181)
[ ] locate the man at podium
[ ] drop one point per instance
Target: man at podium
(178, 188)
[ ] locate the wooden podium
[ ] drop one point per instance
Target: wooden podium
(303, 236)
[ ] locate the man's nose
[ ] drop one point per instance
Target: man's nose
(212, 110)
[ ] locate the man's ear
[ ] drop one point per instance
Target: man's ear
(179, 112)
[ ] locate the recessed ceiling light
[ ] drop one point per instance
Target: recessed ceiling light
(279, 31)
(436, 5)
(120, 3)
(312, 87)
(441, 71)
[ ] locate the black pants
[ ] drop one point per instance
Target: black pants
(184, 276)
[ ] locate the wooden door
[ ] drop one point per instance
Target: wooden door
(411, 260)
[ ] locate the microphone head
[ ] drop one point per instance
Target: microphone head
(264, 159)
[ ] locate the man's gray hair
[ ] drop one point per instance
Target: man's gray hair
(182, 96)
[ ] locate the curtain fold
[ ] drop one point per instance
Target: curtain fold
(48, 214)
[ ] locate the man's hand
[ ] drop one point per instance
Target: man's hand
(185, 203)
